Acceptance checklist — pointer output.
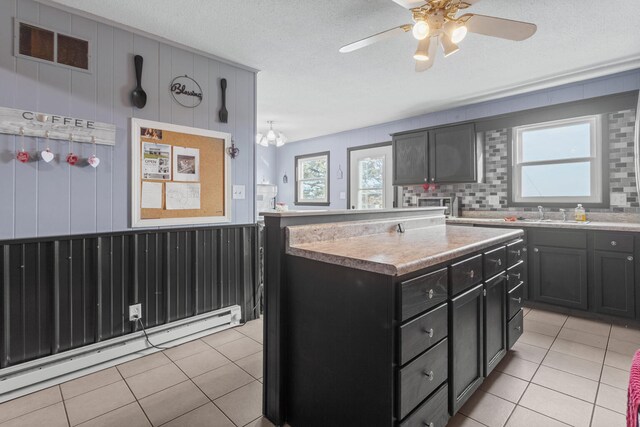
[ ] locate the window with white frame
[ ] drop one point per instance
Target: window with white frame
(558, 162)
(312, 179)
(371, 185)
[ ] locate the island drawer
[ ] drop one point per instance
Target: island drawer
(424, 292)
(514, 303)
(516, 252)
(421, 377)
(495, 261)
(420, 334)
(515, 275)
(465, 274)
(432, 413)
(514, 330)
(615, 242)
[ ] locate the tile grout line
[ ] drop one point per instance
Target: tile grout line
(64, 405)
(595, 402)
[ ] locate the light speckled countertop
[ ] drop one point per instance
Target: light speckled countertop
(393, 253)
(314, 212)
(606, 226)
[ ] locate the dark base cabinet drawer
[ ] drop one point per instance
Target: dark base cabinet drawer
(494, 262)
(515, 275)
(422, 332)
(614, 242)
(514, 303)
(465, 274)
(432, 413)
(424, 292)
(516, 252)
(421, 377)
(514, 331)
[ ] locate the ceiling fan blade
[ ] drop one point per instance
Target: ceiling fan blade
(425, 65)
(468, 3)
(410, 4)
(375, 38)
(498, 27)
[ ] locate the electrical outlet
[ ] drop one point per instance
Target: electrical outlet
(238, 191)
(135, 312)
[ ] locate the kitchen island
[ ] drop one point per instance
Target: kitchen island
(392, 321)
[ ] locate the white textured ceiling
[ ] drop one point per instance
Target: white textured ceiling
(309, 89)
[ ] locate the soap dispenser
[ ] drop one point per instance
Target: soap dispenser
(581, 215)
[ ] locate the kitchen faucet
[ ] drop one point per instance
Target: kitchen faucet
(564, 215)
(541, 210)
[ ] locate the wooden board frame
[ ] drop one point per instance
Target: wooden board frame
(137, 219)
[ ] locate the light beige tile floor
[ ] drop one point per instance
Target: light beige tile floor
(566, 371)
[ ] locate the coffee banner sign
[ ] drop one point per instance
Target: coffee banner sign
(186, 91)
(55, 126)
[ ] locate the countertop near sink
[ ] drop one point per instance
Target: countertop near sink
(389, 252)
(606, 226)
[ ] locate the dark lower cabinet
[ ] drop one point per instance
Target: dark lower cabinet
(614, 283)
(560, 276)
(466, 346)
(495, 326)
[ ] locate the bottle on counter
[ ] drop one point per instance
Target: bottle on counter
(581, 214)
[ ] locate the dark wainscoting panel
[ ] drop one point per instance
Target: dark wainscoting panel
(62, 293)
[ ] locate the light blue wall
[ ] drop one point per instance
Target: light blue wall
(266, 164)
(38, 199)
(338, 143)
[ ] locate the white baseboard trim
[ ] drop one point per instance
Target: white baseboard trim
(45, 372)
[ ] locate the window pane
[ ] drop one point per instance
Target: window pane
(563, 142)
(73, 52)
(371, 172)
(313, 189)
(314, 168)
(36, 42)
(370, 199)
(565, 179)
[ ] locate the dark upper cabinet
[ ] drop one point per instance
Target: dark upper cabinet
(410, 158)
(613, 283)
(452, 154)
(466, 346)
(495, 322)
(559, 276)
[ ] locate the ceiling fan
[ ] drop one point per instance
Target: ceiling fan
(435, 20)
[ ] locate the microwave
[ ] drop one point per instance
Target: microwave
(450, 204)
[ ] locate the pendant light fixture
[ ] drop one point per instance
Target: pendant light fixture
(272, 137)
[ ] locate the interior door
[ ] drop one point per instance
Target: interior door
(370, 178)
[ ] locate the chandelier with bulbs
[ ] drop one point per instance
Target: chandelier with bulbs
(271, 137)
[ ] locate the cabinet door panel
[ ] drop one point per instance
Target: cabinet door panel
(452, 154)
(560, 276)
(495, 322)
(410, 159)
(466, 346)
(614, 283)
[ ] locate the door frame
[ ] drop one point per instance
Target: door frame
(358, 148)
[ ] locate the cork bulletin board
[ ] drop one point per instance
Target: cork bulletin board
(180, 175)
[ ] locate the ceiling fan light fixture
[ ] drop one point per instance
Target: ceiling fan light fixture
(448, 46)
(422, 52)
(420, 29)
(459, 33)
(259, 137)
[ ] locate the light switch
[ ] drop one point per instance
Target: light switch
(238, 191)
(343, 195)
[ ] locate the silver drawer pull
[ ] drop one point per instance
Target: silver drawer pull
(629, 258)
(614, 243)
(524, 249)
(429, 375)
(428, 332)
(430, 294)
(471, 274)
(516, 253)
(515, 275)
(536, 250)
(429, 424)
(518, 300)
(518, 328)
(497, 261)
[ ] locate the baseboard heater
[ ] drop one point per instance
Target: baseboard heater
(38, 374)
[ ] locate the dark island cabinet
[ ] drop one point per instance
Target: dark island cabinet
(467, 346)
(452, 154)
(614, 283)
(410, 159)
(495, 326)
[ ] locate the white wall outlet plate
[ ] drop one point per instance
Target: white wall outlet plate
(135, 312)
(618, 199)
(238, 191)
(343, 195)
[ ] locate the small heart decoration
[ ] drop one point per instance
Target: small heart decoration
(72, 159)
(23, 156)
(46, 155)
(94, 161)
